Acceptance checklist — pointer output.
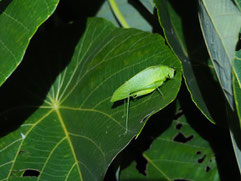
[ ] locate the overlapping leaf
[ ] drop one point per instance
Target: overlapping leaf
(168, 159)
(19, 20)
(76, 132)
(238, 2)
(237, 82)
(221, 22)
(236, 125)
(182, 32)
(130, 11)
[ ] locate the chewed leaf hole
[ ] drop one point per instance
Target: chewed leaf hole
(208, 168)
(198, 152)
(200, 160)
(141, 165)
(179, 126)
(182, 139)
(31, 173)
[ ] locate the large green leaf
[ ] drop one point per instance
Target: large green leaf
(182, 32)
(170, 159)
(220, 23)
(76, 132)
(19, 20)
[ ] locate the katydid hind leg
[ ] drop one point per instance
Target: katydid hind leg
(159, 91)
(142, 92)
(124, 111)
(127, 113)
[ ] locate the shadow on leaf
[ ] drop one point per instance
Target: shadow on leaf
(48, 54)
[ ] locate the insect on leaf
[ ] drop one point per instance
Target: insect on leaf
(143, 83)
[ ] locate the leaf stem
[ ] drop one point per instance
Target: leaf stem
(118, 14)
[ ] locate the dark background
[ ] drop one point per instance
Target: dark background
(59, 33)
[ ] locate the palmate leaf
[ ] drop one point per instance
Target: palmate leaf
(19, 20)
(74, 132)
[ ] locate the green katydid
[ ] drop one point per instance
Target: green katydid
(143, 83)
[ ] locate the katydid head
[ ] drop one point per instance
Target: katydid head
(171, 73)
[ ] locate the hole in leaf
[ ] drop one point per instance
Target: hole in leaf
(141, 164)
(208, 168)
(200, 160)
(179, 126)
(31, 173)
(179, 113)
(181, 180)
(182, 139)
(238, 46)
(198, 152)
